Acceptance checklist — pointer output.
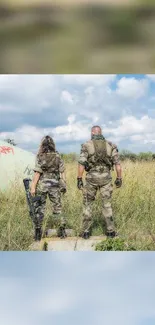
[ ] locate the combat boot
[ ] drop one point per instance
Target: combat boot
(85, 234)
(111, 234)
(61, 232)
(38, 234)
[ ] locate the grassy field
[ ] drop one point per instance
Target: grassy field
(133, 206)
(53, 39)
(76, 2)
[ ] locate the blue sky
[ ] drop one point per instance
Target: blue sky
(77, 288)
(66, 107)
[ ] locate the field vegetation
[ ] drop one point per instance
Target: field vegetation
(133, 207)
(88, 38)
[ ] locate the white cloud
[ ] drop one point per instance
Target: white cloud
(89, 90)
(151, 76)
(71, 119)
(86, 79)
(66, 96)
(25, 134)
(66, 107)
(73, 131)
(8, 81)
(137, 137)
(26, 83)
(131, 126)
(149, 139)
(132, 88)
(22, 92)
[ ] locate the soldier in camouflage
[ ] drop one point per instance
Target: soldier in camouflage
(49, 180)
(97, 158)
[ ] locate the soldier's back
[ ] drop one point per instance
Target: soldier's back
(49, 163)
(89, 145)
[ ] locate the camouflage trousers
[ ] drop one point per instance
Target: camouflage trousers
(52, 191)
(104, 185)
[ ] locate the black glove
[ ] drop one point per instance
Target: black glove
(118, 182)
(62, 186)
(63, 190)
(79, 183)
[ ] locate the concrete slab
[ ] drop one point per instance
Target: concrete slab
(62, 245)
(88, 245)
(68, 244)
(53, 233)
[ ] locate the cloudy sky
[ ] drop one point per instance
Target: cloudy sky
(77, 288)
(66, 107)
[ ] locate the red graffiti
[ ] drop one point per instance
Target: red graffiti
(4, 150)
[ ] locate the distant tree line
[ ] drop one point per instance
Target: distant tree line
(124, 156)
(141, 156)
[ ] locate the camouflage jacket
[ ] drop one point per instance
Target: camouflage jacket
(87, 156)
(49, 165)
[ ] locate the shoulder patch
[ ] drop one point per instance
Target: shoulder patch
(113, 145)
(84, 146)
(87, 142)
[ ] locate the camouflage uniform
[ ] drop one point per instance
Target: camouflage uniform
(49, 165)
(98, 156)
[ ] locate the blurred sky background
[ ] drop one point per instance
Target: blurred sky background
(70, 36)
(77, 288)
(66, 107)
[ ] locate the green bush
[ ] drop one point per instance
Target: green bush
(117, 244)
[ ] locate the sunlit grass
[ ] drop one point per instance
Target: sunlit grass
(133, 207)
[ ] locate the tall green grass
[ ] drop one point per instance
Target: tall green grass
(133, 208)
